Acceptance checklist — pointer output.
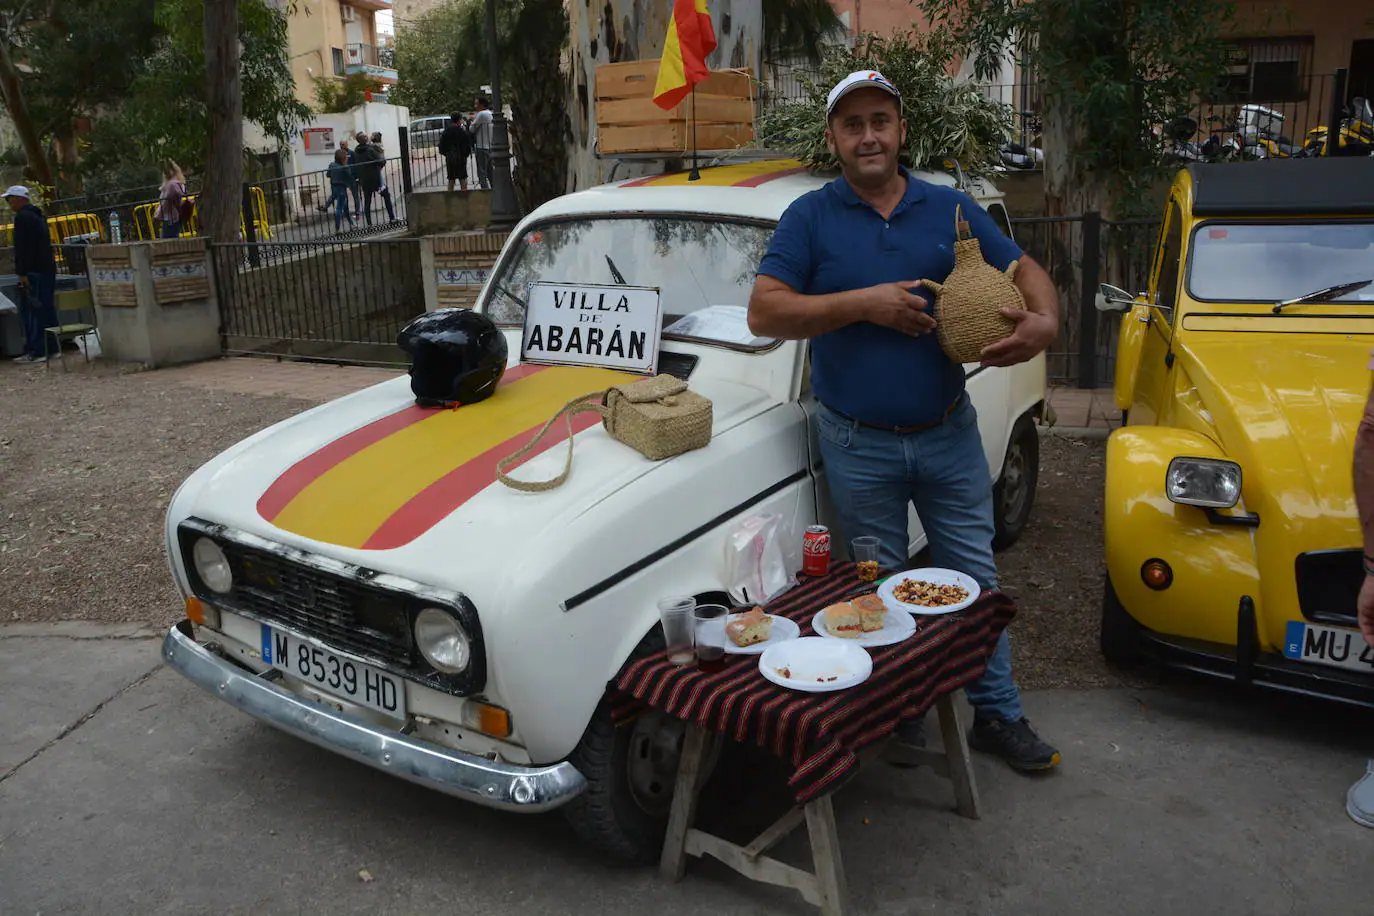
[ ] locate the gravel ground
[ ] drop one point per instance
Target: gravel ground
(88, 462)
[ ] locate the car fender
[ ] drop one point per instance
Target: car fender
(1135, 324)
(1213, 565)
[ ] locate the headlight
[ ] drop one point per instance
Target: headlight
(1206, 482)
(442, 640)
(212, 566)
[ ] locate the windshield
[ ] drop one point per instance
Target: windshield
(703, 267)
(1273, 262)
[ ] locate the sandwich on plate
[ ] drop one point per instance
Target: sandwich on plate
(749, 628)
(872, 612)
(844, 620)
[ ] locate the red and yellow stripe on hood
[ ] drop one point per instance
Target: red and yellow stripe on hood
(385, 484)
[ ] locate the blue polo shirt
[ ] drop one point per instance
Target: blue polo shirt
(830, 241)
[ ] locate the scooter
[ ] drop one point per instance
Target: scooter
(1356, 137)
(1222, 145)
(1260, 136)
(1024, 155)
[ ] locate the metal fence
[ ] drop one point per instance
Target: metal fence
(334, 301)
(300, 207)
(1080, 252)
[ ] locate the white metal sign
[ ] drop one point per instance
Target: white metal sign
(614, 327)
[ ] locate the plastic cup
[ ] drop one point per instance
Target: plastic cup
(710, 636)
(865, 552)
(675, 615)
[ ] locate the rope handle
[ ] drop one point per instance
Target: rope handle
(961, 229)
(584, 404)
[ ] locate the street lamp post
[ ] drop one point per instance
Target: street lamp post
(504, 211)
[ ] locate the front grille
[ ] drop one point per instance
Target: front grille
(1329, 584)
(351, 608)
(350, 615)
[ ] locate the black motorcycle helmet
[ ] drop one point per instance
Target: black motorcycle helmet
(456, 357)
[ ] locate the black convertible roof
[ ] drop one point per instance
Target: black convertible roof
(1272, 187)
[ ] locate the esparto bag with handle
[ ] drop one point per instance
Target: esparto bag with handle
(658, 417)
(968, 304)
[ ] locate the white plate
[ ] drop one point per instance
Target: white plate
(811, 659)
(896, 627)
(782, 630)
(937, 576)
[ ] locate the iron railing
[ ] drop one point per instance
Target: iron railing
(1079, 253)
(335, 301)
(299, 206)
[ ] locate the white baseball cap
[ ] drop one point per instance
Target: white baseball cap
(860, 79)
(17, 190)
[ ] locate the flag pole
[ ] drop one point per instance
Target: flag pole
(696, 173)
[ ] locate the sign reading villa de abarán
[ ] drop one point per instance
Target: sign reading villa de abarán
(615, 327)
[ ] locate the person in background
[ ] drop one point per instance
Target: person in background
(37, 270)
(384, 191)
(169, 200)
(340, 180)
(354, 189)
(370, 159)
(895, 425)
(455, 146)
(1359, 802)
(481, 141)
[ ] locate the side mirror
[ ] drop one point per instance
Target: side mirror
(1113, 299)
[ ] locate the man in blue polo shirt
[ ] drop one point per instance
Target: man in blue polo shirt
(895, 423)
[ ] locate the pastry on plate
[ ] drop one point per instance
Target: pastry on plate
(872, 612)
(749, 628)
(844, 620)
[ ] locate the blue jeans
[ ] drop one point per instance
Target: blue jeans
(873, 475)
(339, 198)
(36, 312)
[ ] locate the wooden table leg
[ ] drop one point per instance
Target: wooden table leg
(957, 755)
(825, 855)
(673, 863)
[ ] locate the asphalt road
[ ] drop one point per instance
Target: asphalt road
(123, 789)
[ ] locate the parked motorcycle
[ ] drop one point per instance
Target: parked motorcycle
(1222, 144)
(1026, 155)
(1356, 136)
(1259, 128)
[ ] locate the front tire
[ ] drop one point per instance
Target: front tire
(1120, 634)
(1014, 493)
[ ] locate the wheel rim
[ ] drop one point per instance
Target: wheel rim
(653, 756)
(1015, 476)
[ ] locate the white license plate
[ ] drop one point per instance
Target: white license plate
(1338, 647)
(310, 662)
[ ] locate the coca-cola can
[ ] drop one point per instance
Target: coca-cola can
(816, 550)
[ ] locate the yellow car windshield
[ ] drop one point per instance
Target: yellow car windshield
(1272, 261)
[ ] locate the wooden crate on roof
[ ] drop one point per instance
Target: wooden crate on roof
(628, 121)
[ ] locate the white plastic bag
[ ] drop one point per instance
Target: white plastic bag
(758, 564)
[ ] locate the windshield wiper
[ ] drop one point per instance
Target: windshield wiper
(619, 277)
(1331, 292)
(510, 295)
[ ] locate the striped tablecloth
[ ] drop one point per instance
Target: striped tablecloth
(821, 734)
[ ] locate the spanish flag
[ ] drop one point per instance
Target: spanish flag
(690, 39)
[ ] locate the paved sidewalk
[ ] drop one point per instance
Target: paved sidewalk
(1084, 408)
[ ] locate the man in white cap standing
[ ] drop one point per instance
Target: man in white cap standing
(895, 424)
(37, 270)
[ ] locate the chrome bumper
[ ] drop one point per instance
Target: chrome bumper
(510, 787)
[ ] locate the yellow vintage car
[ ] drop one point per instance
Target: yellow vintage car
(1233, 547)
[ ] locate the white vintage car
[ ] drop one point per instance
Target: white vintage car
(355, 575)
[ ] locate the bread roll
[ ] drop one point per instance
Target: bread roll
(872, 612)
(843, 620)
(749, 628)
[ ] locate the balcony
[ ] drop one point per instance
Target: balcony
(374, 5)
(370, 60)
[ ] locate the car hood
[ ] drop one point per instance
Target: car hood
(373, 472)
(1288, 414)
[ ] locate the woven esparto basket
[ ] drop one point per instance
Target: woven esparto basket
(657, 417)
(968, 303)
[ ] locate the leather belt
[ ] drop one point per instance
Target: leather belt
(901, 430)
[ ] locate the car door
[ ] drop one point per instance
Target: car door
(1158, 315)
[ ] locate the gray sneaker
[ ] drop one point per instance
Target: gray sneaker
(1359, 801)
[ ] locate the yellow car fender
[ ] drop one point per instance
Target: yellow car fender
(1129, 342)
(1213, 565)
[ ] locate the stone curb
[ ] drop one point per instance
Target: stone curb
(79, 629)
(1076, 432)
